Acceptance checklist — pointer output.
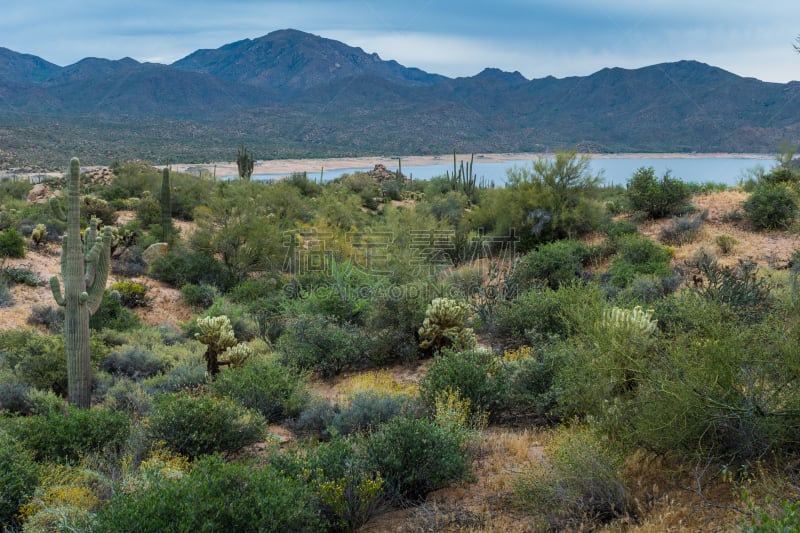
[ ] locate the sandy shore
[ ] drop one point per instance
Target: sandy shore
(287, 166)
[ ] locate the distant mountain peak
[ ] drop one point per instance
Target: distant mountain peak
(498, 74)
(296, 60)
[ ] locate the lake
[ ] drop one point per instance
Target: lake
(615, 170)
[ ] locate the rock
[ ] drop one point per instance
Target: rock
(155, 251)
(38, 194)
(380, 173)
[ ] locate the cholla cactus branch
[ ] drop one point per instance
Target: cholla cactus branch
(444, 326)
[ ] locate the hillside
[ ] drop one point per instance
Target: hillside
(293, 94)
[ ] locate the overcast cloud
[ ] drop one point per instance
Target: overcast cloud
(563, 38)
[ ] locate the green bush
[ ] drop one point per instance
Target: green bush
(69, 434)
(48, 316)
(94, 207)
(201, 296)
(264, 384)
(19, 477)
(180, 268)
(658, 198)
(38, 360)
(317, 343)
(23, 275)
(392, 325)
(540, 315)
(113, 315)
(414, 457)
(771, 207)
(638, 255)
(215, 496)
(553, 265)
(12, 244)
(475, 374)
(131, 293)
(201, 425)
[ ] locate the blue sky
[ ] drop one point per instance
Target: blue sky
(537, 38)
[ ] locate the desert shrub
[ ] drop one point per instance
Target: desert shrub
(540, 315)
(317, 343)
(113, 315)
(215, 495)
(392, 325)
(725, 243)
(316, 418)
(134, 362)
(94, 207)
(186, 375)
(682, 230)
(68, 434)
(618, 228)
(148, 210)
(579, 480)
(201, 296)
(6, 298)
(741, 414)
(347, 490)
(14, 395)
(530, 382)
(647, 288)
(48, 316)
(475, 374)
(658, 198)
(638, 255)
(739, 286)
(131, 293)
(19, 476)
(201, 425)
(771, 207)
(368, 410)
(180, 268)
(444, 326)
(128, 396)
(12, 244)
(552, 265)
(21, 275)
(264, 384)
(38, 360)
(774, 517)
(415, 456)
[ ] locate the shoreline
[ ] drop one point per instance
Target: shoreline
(288, 166)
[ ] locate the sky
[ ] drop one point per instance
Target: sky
(537, 38)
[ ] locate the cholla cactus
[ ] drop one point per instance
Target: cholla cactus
(444, 326)
(39, 234)
(217, 335)
(635, 322)
(237, 356)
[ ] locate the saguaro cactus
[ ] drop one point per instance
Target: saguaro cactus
(84, 271)
(166, 206)
(245, 163)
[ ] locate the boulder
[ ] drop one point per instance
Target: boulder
(155, 251)
(38, 194)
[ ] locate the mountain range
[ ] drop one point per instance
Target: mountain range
(293, 94)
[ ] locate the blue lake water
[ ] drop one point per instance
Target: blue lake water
(614, 170)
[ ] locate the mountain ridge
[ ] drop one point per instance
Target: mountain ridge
(290, 93)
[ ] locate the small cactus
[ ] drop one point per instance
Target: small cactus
(444, 326)
(39, 234)
(217, 334)
(245, 163)
(635, 322)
